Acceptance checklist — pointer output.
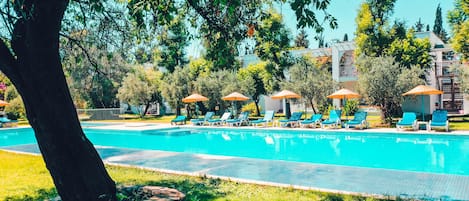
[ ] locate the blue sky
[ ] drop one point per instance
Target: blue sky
(346, 10)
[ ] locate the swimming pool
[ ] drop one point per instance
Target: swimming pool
(443, 154)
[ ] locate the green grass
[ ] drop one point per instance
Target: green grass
(459, 125)
(24, 177)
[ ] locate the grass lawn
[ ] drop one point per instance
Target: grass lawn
(24, 177)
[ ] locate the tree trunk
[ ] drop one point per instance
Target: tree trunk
(36, 71)
(145, 110)
(178, 110)
(256, 102)
(312, 106)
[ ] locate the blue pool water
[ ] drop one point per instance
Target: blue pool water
(421, 153)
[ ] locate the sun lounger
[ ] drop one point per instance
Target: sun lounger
(293, 121)
(334, 119)
(313, 121)
(242, 118)
(268, 117)
(439, 119)
(409, 119)
(221, 120)
(201, 122)
(178, 120)
(359, 120)
(5, 122)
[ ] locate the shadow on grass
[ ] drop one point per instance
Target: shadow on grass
(205, 189)
(41, 194)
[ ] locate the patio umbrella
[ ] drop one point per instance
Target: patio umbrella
(3, 103)
(235, 96)
(194, 98)
(285, 94)
(344, 94)
(421, 90)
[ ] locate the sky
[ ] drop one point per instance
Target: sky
(346, 10)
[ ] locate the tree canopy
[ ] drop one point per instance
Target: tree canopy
(382, 82)
(438, 25)
(141, 88)
(261, 79)
(312, 82)
(459, 20)
(378, 38)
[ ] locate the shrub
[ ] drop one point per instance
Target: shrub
(351, 106)
(251, 108)
(325, 110)
(15, 109)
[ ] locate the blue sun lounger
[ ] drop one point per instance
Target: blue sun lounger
(313, 121)
(334, 119)
(359, 120)
(409, 119)
(203, 121)
(179, 120)
(293, 121)
(439, 119)
(242, 118)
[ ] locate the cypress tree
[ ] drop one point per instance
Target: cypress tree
(438, 26)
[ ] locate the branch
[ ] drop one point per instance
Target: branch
(8, 18)
(206, 15)
(88, 56)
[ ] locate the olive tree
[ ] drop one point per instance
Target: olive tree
(311, 82)
(382, 82)
(141, 88)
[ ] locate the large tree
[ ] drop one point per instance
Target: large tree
(411, 51)
(375, 37)
(273, 42)
(32, 62)
(459, 20)
(173, 40)
(438, 25)
(176, 86)
(382, 82)
(372, 36)
(261, 79)
(30, 57)
(141, 88)
(221, 83)
(312, 82)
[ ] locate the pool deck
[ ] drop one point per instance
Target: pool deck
(332, 178)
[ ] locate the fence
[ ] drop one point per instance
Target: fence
(99, 114)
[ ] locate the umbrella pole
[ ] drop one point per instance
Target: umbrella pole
(423, 109)
(346, 111)
(235, 110)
